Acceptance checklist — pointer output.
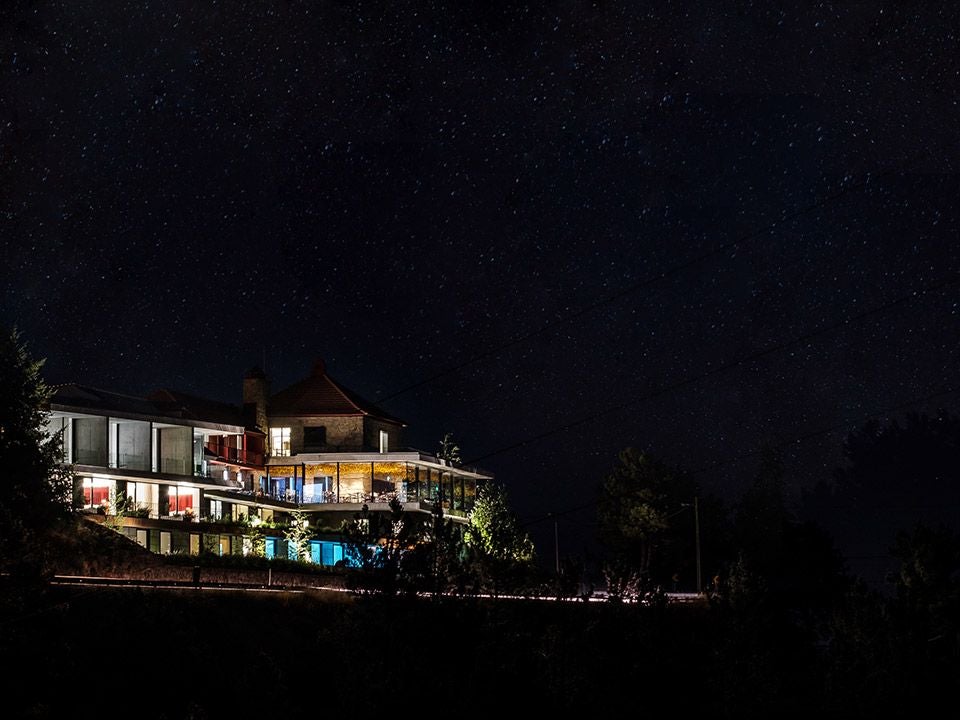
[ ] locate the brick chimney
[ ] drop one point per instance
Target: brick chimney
(256, 390)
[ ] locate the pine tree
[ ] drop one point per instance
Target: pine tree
(637, 501)
(37, 487)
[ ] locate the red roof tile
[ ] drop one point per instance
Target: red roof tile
(319, 394)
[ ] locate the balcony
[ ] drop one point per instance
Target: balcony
(130, 461)
(90, 456)
(352, 500)
(235, 455)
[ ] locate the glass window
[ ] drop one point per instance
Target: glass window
(96, 493)
(183, 500)
(314, 438)
(319, 490)
(280, 441)
(384, 441)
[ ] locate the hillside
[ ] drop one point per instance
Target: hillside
(82, 547)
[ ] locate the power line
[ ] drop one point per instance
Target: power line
(823, 431)
(726, 366)
(630, 289)
(786, 443)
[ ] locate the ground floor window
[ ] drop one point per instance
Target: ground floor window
(211, 544)
(166, 542)
(326, 553)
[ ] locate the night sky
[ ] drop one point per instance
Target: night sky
(552, 229)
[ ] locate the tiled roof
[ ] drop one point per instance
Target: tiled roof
(162, 403)
(191, 407)
(319, 394)
(84, 396)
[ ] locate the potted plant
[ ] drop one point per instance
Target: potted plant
(449, 451)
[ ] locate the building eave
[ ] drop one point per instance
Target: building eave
(225, 429)
(413, 457)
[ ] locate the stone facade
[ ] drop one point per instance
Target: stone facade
(344, 434)
(371, 434)
(354, 433)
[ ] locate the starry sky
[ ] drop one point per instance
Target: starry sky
(552, 229)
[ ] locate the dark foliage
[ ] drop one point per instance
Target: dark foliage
(894, 475)
(36, 490)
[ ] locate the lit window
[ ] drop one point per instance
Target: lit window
(96, 493)
(384, 441)
(280, 441)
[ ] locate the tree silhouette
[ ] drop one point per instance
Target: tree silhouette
(38, 489)
(637, 503)
(894, 475)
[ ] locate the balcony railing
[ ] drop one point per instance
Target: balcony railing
(176, 465)
(236, 455)
(130, 461)
(83, 456)
(459, 506)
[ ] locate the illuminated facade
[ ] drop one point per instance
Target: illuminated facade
(182, 474)
(328, 445)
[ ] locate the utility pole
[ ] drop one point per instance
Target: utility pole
(696, 520)
(556, 544)
(696, 535)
